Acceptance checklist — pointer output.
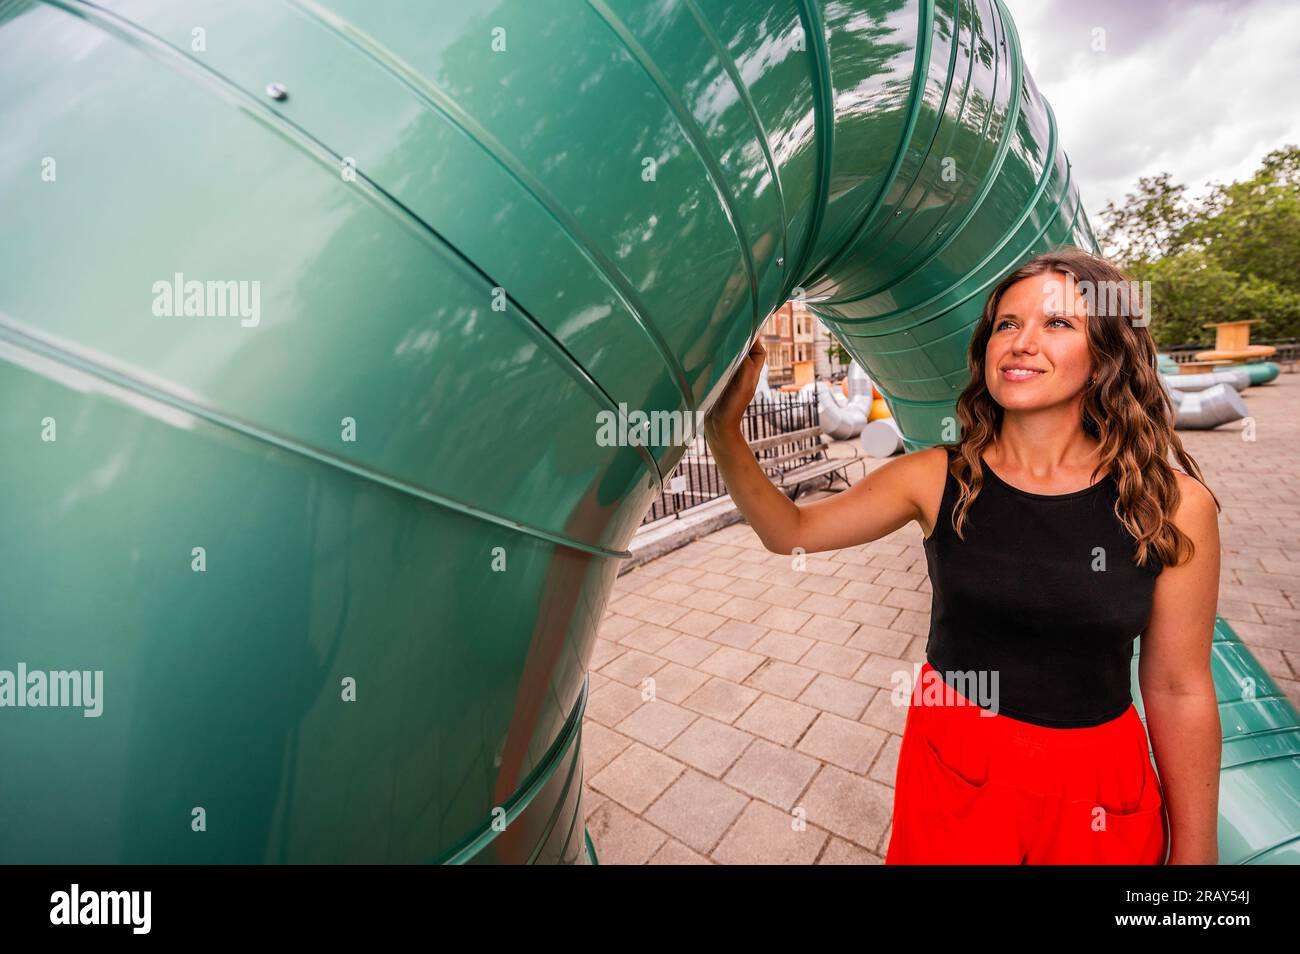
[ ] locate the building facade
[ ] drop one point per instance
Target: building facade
(797, 346)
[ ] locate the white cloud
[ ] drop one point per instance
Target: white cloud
(1202, 89)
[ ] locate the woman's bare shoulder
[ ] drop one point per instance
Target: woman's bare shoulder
(1196, 505)
(929, 474)
(922, 466)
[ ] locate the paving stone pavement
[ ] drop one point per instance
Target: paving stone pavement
(772, 736)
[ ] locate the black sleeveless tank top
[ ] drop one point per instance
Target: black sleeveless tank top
(1044, 593)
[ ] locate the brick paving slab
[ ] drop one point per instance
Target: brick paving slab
(741, 709)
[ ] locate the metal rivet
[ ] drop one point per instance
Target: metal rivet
(276, 91)
(780, 263)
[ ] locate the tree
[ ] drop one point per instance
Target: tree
(1187, 290)
(1150, 223)
(836, 352)
(1253, 227)
(1229, 256)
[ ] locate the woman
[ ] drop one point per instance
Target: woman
(1056, 531)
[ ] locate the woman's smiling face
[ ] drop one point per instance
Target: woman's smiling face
(1040, 325)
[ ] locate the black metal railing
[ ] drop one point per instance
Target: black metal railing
(696, 481)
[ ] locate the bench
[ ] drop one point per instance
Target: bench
(801, 457)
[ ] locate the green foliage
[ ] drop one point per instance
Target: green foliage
(1232, 255)
(1150, 223)
(1254, 226)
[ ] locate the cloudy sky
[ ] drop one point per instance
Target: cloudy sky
(1202, 89)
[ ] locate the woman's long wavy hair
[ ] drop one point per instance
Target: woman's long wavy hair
(1125, 407)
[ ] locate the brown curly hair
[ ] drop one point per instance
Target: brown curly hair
(1126, 408)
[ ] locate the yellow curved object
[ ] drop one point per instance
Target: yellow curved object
(1248, 353)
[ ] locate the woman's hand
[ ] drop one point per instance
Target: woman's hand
(727, 414)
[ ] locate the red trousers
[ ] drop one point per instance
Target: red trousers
(980, 788)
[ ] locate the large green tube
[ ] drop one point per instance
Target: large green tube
(340, 551)
(1259, 822)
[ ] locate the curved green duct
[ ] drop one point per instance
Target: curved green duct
(1259, 777)
(309, 315)
(1261, 372)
